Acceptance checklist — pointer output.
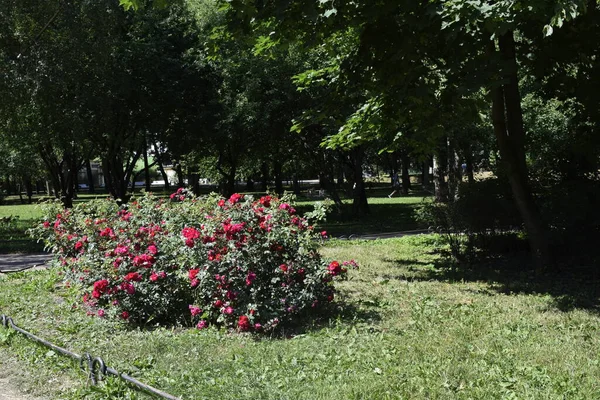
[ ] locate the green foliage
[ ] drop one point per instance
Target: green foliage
(481, 211)
(248, 265)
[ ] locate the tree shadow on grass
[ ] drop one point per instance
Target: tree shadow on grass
(573, 284)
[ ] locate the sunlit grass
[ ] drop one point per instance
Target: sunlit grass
(401, 330)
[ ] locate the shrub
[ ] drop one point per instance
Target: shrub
(481, 211)
(240, 263)
(118, 256)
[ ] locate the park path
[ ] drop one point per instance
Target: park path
(18, 262)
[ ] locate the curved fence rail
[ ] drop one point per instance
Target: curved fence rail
(94, 367)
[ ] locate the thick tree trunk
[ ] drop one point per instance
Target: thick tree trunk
(509, 131)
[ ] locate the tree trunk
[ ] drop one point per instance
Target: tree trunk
(440, 169)
(340, 169)
(20, 193)
(180, 177)
(90, 176)
(161, 168)
(454, 170)
(7, 185)
(425, 174)
(405, 174)
(296, 184)
(509, 131)
(249, 184)
(360, 205)
(228, 187)
(393, 169)
(328, 185)
(147, 183)
(163, 173)
(277, 168)
(228, 177)
(469, 163)
(194, 178)
(264, 171)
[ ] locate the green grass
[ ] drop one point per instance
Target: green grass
(14, 222)
(386, 215)
(402, 329)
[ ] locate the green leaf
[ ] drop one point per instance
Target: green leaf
(547, 31)
(129, 4)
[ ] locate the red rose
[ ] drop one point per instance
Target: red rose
(334, 268)
(133, 276)
(265, 201)
(244, 323)
(190, 233)
(79, 246)
(192, 273)
(236, 197)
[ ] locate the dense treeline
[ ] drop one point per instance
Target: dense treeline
(266, 91)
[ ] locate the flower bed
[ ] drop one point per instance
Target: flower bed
(240, 263)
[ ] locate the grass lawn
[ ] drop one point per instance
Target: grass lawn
(401, 330)
(15, 220)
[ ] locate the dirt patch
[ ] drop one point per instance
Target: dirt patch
(8, 392)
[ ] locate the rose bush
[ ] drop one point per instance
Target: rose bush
(241, 263)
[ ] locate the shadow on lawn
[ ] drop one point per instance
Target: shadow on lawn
(574, 284)
(384, 218)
